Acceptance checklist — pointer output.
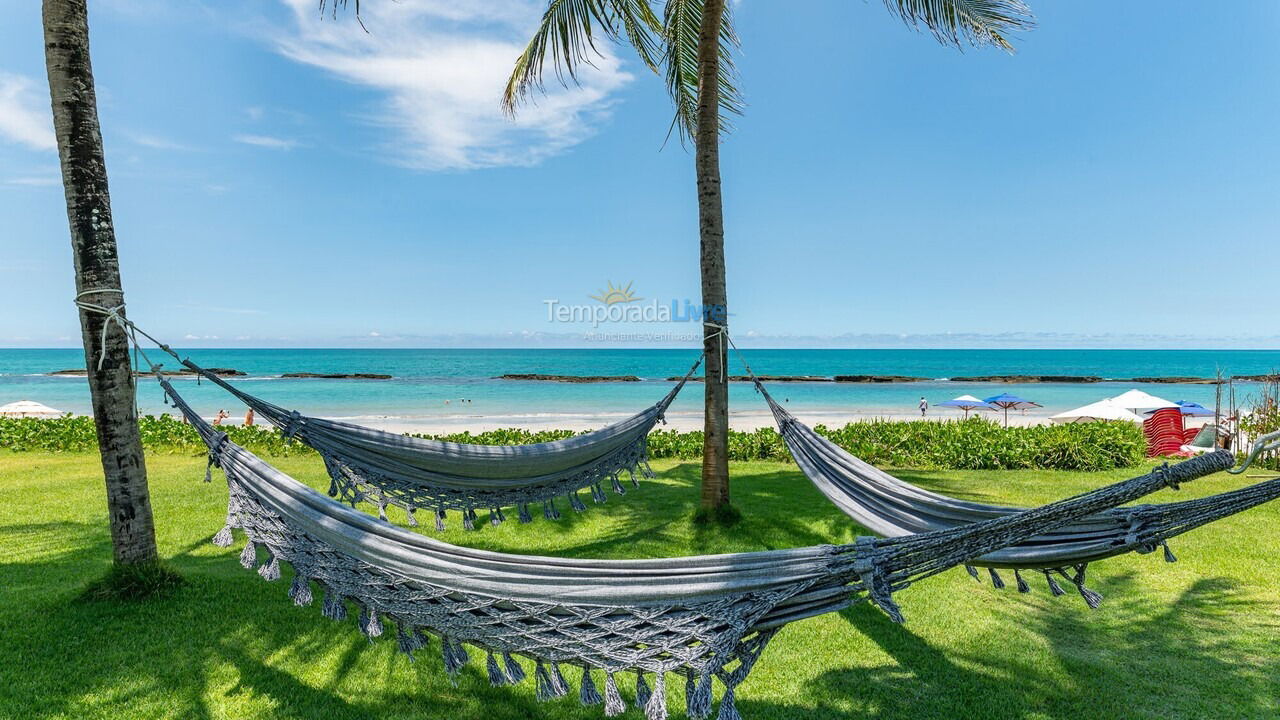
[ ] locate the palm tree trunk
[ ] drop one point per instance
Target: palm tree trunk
(715, 444)
(93, 243)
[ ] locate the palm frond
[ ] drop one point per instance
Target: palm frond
(975, 22)
(566, 36)
(682, 27)
(333, 5)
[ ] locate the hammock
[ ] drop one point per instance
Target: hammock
(890, 507)
(704, 618)
(386, 468)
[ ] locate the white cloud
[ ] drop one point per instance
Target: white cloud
(267, 141)
(34, 181)
(440, 68)
(156, 142)
(24, 118)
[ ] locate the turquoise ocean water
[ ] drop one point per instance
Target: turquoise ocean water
(429, 384)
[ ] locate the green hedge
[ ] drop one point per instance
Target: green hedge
(974, 444)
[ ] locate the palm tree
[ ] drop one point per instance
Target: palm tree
(693, 46)
(93, 244)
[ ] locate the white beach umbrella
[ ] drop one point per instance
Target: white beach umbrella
(1101, 410)
(28, 408)
(966, 403)
(1140, 402)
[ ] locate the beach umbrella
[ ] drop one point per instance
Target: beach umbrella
(1007, 402)
(1194, 409)
(967, 403)
(28, 408)
(1101, 410)
(1140, 402)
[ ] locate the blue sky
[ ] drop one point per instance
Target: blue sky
(278, 179)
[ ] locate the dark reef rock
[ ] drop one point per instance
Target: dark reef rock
(1028, 379)
(337, 376)
(569, 378)
(763, 378)
(220, 372)
(878, 378)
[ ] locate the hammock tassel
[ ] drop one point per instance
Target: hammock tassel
(468, 519)
(617, 486)
(514, 671)
(1054, 587)
(656, 708)
(271, 570)
(249, 556)
(587, 693)
(370, 625)
(300, 590)
(523, 510)
(382, 509)
(613, 704)
(1168, 554)
(1091, 598)
(496, 517)
(413, 517)
(558, 683)
(576, 502)
(333, 487)
(223, 537)
(996, 580)
(549, 510)
(642, 690)
(728, 708)
(545, 690)
(973, 572)
(455, 657)
(440, 515)
(597, 494)
(334, 608)
(634, 482)
(497, 678)
(408, 640)
(1023, 587)
(698, 701)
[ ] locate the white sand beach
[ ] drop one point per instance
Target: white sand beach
(683, 421)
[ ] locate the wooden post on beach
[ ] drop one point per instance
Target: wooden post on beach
(93, 245)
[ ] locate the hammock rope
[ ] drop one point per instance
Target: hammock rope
(386, 469)
(705, 618)
(890, 507)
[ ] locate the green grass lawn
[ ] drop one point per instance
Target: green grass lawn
(1196, 639)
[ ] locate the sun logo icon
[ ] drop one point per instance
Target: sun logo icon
(614, 295)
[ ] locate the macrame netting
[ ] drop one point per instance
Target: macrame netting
(417, 474)
(890, 507)
(703, 618)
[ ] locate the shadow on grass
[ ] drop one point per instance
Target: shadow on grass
(226, 642)
(1141, 661)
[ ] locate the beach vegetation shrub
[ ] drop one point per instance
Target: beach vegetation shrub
(973, 444)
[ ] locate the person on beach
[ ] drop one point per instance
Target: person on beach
(222, 415)
(248, 418)
(924, 407)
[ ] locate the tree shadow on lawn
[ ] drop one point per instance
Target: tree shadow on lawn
(1134, 658)
(227, 643)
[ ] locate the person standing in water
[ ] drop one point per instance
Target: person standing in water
(924, 407)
